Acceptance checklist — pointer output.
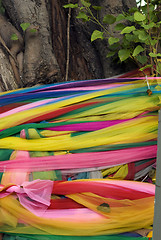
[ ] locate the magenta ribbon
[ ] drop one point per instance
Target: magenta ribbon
(34, 196)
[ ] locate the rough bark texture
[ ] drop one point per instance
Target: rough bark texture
(12, 47)
(42, 56)
(40, 64)
(7, 80)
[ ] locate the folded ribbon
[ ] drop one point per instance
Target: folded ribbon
(34, 196)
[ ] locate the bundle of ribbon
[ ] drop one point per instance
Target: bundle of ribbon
(49, 134)
(102, 206)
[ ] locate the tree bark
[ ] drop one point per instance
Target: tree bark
(40, 64)
(78, 65)
(7, 79)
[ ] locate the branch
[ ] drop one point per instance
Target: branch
(68, 44)
(8, 50)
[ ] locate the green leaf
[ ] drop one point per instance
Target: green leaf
(24, 26)
(110, 54)
(96, 34)
(154, 54)
(144, 9)
(153, 41)
(158, 65)
(83, 16)
(133, 9)
(131, 37)
(14, 37)
(113, 40)
(152, 6)
(130, 18)
(142, 59)
(119, 27)
(147, 42)
(85, 3)
(114, 47)
(2, 9)
(70, 5)
(139, 16)
(145, 67)
(136, 32)
(120, 17)
(125, 43)
(148, 26)
(109, 19)
(142, 35)
(137, 50)
(128, 29)
(154, 18)
(33, 30)
(97, 8)
(124, 54)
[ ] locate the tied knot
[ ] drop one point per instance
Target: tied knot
(34, 196)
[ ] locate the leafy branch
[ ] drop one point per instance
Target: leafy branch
(139, 32)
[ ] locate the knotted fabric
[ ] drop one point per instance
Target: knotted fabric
(34, 196)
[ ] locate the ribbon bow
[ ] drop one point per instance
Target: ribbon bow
(34, 196)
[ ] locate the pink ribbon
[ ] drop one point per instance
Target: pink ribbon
(34, 196)
(104, 159)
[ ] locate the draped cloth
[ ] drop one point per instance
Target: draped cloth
(105, 205)
(78, 127)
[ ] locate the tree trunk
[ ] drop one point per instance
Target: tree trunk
(87, 60)
(78, 65)
(60, 48)
(40, 64)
